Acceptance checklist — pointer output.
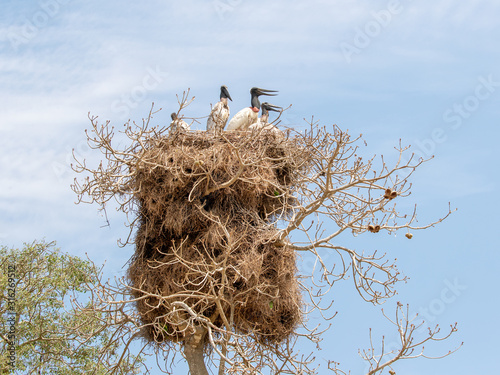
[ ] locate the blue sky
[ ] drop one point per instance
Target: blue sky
(426, 72)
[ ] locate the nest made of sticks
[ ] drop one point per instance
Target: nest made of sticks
(207, 237)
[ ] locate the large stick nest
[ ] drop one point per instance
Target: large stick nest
(207, 237)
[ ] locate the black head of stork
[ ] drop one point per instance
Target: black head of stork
(173, 116)
(224, 93)
(256, 92)
(266, 107)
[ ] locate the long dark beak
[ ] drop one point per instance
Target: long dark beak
(274, 108)
(226, 93)
(259, 92)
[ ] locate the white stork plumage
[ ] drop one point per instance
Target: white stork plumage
(262, 123)
(177, 123)
(247, 116)
(220, 113)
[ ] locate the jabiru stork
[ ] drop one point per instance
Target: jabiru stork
(248, 116)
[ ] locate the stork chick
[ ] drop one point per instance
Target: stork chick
(263, 122)
(177, 123)
(220, 113)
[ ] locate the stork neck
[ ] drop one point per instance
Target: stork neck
(255, 102)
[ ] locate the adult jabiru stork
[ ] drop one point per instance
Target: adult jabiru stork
(177, 123)
(220, 113)
(248, 116)
(263, 122)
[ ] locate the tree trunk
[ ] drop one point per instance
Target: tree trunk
(193, 350)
